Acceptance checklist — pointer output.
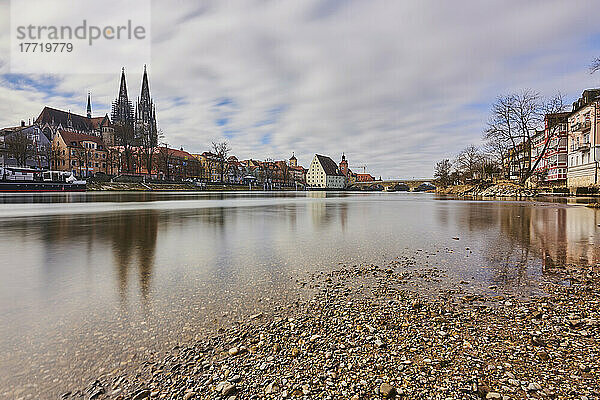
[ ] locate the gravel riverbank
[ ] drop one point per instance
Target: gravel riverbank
(366, 333)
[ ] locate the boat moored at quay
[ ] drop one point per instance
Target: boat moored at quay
(16, 179)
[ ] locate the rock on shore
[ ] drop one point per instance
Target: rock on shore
(363, 336)
(504, 189)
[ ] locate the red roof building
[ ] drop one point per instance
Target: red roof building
(364, 178)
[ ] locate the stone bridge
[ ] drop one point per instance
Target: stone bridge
(412, 183)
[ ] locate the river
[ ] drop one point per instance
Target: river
(88, 280)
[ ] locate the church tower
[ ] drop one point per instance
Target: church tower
(89, 106)
(344, 165)
(293, 161)
(145, 113)
(122, 110)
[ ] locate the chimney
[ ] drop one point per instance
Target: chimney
(22, 123)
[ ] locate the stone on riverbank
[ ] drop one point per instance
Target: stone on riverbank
(451, 344)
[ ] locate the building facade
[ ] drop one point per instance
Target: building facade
(83, 155)
(518, 160)
(210, 164)
(364, 178)
(583, 141)
(552, 167)
(51, 120)
(324, 173)
(351, 177)
(297, 172)
(24, 146)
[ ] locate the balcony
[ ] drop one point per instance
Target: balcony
(585, 126)
(576, 127)
(583, 147)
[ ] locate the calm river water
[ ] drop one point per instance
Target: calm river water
(88, 281)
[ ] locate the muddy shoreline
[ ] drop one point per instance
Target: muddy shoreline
(368, 331)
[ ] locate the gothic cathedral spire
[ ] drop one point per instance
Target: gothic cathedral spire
(89, 106)
(145, 114)
(145, 96)
(123, 86)
(122, 110)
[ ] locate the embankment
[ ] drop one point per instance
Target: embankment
(504, 189)
(140, 186)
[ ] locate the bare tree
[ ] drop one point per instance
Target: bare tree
(125, 136)
(468, 161)
(80, 155)
(164, 160)
(221, 151)
(20, 147)
(43, 156)
(442, 173)
(496, 150)
(512, 125)
(148, 150)
(112, 161)
(501, 131)
(551, 108)
(595, 65)
(56, 158)
(285, 172)
(267, 173)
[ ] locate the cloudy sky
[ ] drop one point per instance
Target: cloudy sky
(396, 85)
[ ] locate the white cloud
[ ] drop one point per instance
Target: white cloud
(395, 85)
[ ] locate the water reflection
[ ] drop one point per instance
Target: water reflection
(514, 237)
(80, 265)
(133, 239)
(518, 236)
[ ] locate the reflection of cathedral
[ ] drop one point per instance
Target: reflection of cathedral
(131, 239)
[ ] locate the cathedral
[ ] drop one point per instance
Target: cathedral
(143, 120)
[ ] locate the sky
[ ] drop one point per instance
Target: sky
(395, 85)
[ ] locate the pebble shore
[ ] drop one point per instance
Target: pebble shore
(365, 334)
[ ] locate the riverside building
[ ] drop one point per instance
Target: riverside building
(324, 173)
(583, 141)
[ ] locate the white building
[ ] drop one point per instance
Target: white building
(584, 143)
(324, 173)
